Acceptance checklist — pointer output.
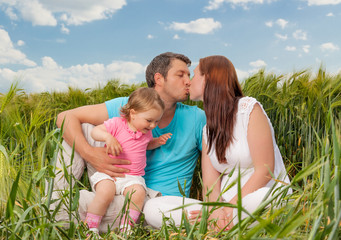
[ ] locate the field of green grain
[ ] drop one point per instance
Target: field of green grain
(305, 110)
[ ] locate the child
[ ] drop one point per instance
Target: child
(127, 137)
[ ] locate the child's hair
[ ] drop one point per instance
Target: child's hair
(141, 100)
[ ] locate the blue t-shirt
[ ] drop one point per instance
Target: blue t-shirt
(176, 160)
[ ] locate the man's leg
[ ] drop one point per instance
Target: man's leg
(76, 169)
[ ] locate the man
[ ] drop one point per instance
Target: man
(174, 162)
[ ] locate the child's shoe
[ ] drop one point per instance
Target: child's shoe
(94, 233)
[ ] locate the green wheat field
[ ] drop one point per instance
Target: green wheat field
(304, 108)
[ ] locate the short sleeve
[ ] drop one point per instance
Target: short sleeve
(245, 108)
(112, 125)
(114, 106)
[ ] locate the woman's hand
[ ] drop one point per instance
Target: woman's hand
(221, 218)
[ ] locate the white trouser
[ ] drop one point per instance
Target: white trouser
(155, 208)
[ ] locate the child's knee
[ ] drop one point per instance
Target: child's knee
(136, 190)
(106, 190)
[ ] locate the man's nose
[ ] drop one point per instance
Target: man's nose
(188, 80)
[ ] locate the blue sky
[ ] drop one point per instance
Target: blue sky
(50, 45)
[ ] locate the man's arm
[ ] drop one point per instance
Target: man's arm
(96, 156)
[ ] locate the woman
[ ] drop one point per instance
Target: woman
(238, 137)
(238, 134)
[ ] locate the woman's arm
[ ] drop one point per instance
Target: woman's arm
(210, 176)
(262, 152)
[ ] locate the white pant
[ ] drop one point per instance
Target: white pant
(156, 207)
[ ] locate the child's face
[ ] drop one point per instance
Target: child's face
(145, 121)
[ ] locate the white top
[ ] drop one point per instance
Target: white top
(238, 153)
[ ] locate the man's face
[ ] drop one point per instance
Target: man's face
(177, 83)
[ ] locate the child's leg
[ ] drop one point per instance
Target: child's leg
(105, 193)
(137, 199)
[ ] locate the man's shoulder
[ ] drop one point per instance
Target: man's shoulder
(114, 106)
(117, 100)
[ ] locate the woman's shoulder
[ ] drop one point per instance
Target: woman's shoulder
(246, 104)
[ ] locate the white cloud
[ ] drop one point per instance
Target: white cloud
(281, 37)
(258, 64)
(199, 26)
(29, 10)
(75, 12)
(329, 47)
(215, 4)
(323, 2)
(65, 29)
(51, 76)
(300, 35)
(176, 37)
(282, 23)
(20, 43)
(330, 14)
(290, 48)
(269, 23)
(242, 75)
(8, 53)
(9, 12)
(149, 36)
(306, 48)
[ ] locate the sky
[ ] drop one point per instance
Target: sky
(50, 45)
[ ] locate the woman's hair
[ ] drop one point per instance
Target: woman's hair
(161, 64)
(141, 100)
(221, 94)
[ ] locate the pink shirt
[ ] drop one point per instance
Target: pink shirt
(134, 145)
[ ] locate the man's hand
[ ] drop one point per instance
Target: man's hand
(102, 162)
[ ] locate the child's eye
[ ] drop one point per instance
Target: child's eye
(149, 120)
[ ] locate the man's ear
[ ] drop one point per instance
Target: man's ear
(159, 79)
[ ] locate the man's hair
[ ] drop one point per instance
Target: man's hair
(161, 64)
(141, 100)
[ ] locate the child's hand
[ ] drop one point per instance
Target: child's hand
(163, 138)
(113, 146)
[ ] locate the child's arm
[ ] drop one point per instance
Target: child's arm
(100, 133)
(157, 142)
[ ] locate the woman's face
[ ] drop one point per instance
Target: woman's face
(196, 90)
